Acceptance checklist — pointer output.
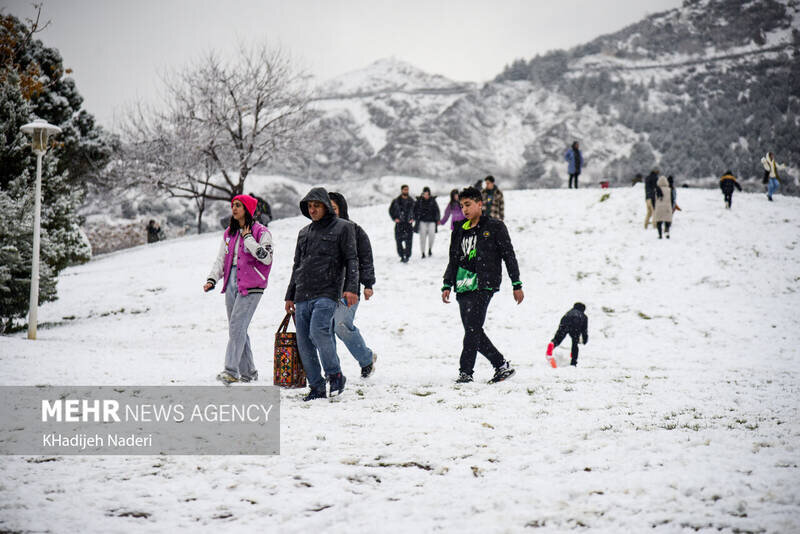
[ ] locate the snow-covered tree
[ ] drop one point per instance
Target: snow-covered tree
(33, 83)
(220, 120)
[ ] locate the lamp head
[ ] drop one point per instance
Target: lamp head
(40, 131)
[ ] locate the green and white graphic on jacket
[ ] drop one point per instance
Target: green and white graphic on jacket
(466, 277)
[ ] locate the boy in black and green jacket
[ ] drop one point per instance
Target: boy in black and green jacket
(477, 248)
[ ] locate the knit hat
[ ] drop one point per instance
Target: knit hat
(248, 202)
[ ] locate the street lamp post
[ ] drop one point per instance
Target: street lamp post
(39, 131)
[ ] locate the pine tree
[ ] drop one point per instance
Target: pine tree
(33, 84)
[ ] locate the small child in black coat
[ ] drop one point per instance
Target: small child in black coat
(576, 324)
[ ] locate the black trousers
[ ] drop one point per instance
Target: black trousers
(575, 176)
(666, 225)
(728, 198)
(473, 306)
(561, 333)
(403, 233)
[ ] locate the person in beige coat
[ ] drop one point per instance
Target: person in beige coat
(663, 209)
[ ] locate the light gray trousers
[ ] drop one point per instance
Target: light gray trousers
(427, 233)
(238, 355)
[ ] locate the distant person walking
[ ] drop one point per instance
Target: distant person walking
(662, 214)
(401, 211)
(575, 324)
(771, 172)
(453, 210)
(344, 315)
(154, 232)
(650, 195)
(493, 204)
(574, 159)
(263, 212)
(325, 270)
(727, 183)
(243, 264)
(426, 213)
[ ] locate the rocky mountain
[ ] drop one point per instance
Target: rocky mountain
(697, 90)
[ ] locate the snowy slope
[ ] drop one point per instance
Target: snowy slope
(683, 414)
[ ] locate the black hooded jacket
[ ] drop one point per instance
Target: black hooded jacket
(575, 323)
(481, 250)
(402, 208)
(650, 189)
(426, 209)
(325, 259)
(366, 267)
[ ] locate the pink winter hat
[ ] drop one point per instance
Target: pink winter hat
(248, 202)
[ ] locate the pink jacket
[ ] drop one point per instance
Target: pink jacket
(254, 259)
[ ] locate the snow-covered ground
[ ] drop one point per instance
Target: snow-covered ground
(682, 416)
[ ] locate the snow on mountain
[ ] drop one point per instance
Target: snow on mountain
(682, 415)
(387, 75)
(672, 90)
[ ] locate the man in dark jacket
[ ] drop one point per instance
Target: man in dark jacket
(477, 249)
(345, 315)
(325, 270)
(727, 183)
(402, 213)
(650, 190)
(576, 324)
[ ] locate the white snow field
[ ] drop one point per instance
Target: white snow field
(682, 415)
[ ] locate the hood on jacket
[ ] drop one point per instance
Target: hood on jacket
(662, 181)
(341, 202)
(320, 195)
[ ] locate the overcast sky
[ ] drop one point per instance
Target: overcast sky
(117, 49)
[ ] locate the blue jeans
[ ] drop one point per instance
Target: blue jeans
(349, 334)
(773, 186)
(315, 336)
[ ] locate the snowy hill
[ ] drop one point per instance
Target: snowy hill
(682, 415)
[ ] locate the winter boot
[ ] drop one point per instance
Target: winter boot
(430, 253)
(502, 372)
(337, 384)
(463, 378)
(226, 378)
(318, 393)
(368, 369)
(573, 361)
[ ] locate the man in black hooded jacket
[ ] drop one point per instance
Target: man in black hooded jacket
(325, 270)
(345, 315)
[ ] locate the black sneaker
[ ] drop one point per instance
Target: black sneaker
(315, 394)
(337, 382)
(251, 378)
(502, 372)
(463, 378)
(368, 369)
